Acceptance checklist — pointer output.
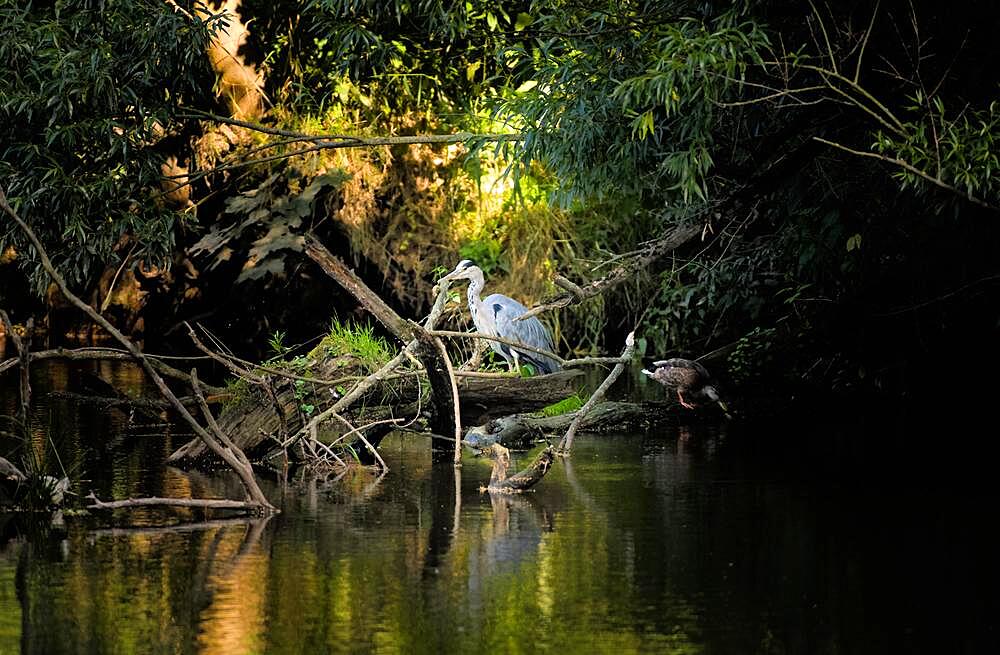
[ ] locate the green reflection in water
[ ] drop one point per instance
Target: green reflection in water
(663, 543)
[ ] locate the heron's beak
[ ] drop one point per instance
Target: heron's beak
(725, 408)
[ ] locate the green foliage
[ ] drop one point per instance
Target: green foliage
(623, 99)
(392, 57)
(360, 342)
(90, 90)
(751, 355)
(486, 253)
(959, 149)
(277, 343)
(272, 215)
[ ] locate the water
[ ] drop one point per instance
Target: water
(705, 538)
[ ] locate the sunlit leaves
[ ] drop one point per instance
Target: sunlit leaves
(623, 99)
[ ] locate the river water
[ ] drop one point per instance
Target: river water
(701, 537)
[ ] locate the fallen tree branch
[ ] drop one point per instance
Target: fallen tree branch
(417, 339)
(519, 430)
(567, 441)
(223, 446)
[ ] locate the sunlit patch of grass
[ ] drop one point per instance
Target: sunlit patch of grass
(361, 342)
(564, 406)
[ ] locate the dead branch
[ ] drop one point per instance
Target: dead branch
(222, 445)
(653, 251)
(23, 348)
(519, 430)
(418, 341)
(456, 407)
(567, 441)
(490, 337)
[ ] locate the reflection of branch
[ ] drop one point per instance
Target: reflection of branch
(84, 354)
(180, 528)
(206, 503)
(913, 169)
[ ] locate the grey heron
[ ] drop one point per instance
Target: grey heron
(494, 316)
(686, 376)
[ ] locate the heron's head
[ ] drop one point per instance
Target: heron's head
(465, 270)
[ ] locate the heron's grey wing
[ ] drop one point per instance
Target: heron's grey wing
(530, 332)
(500, 308)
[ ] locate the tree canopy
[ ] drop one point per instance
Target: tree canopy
(828, 153)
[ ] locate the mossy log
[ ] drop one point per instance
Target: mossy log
(520, 430)
(256, 420)
(485, 397)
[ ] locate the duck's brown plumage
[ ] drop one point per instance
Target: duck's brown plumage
(682, 374)
(686, 377)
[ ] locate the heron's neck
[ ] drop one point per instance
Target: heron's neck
(476, 285)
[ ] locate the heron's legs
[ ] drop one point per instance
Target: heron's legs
(514, 362)
(684, 402)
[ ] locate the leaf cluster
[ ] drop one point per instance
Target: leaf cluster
(90, 89)
(621, 98)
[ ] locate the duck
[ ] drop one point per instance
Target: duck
(686, 376)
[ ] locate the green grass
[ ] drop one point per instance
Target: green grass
(358, 341)
(564, 406)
